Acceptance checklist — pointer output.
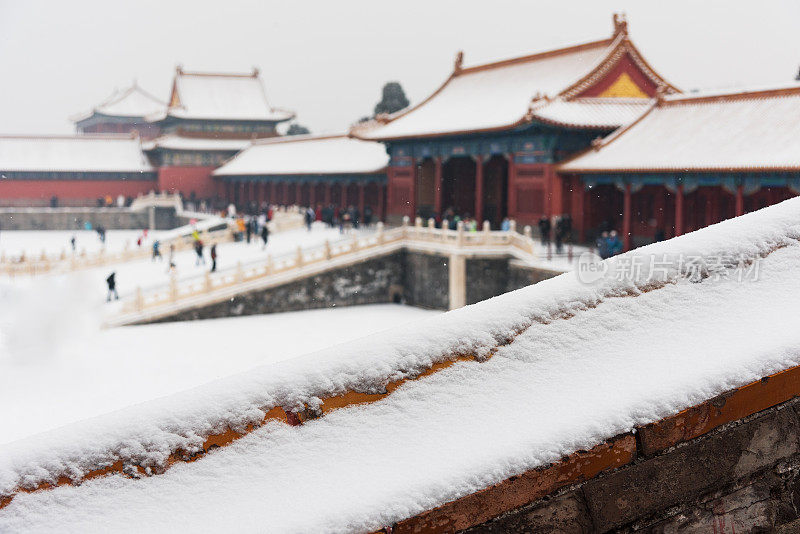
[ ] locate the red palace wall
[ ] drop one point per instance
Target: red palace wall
(188, 180)
(69, 192)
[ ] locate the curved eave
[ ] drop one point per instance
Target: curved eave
(573, 126)
(151, 149)
(682, 170)
(289, 116)
(73, 171)
(382, 170)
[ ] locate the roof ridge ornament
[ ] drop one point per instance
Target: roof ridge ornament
(620, 24)
(459, 62)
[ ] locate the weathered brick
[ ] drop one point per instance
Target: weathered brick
(689, 471)
(518, 491)
(732, 406)
(752, 508)
(566, 514)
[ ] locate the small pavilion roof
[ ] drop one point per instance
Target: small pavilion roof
(75, 153)
(308, 154)
(513, 92)
(133, 102)
(754, 130)
(218, 96)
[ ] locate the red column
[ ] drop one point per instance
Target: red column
(380, 209)
(285, 195)
(512, 187)
(327, 193)
(739, 200)
(679, 211)
(361, 199)
(479, 190)
(414, 174)
(626, 218)
(556, 204)
(437, 185)
(577, 207)
(312, 200)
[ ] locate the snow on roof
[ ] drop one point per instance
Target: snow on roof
(538, 390)
(500, 95)
(591, 112)
(178, 142)
(337, 154)
(201, 95)
(744, 131)
(78, 153)
(132, 102)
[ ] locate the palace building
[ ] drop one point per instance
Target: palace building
(487, 142)
(689, 161)
(123, 112)
(210, 117)
(310, 171)
(72, 170)
(590, 130)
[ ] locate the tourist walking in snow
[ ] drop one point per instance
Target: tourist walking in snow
(198, 249)
(603, 246)
(309, 217)
(544, 230)
(111, 282)
(157, 250)
(614, 243)
(248, 224)
(213, 257)
(72, 243)
(264, 235)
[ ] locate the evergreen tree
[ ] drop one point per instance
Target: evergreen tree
(394, 99)
(296, 129)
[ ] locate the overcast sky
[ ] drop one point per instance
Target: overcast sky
(328, 60)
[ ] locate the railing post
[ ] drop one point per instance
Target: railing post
(43, 257)
(405, 225)
(239, 272)
(208, 282)
(327, 249)
(173, 287)
(487, 231)
(269, 266)
(445, 227)
(529, 238)
(355, 242)
(299, 257)
(512, 226)
(460, 230)
(380, 232)
(139, 299)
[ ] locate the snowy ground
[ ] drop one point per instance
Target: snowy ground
(32, 242)
(154, 274)
(56, 367)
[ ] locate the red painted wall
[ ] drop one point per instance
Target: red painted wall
(72, 192)
(189, 179)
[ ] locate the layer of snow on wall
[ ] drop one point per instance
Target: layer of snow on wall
(56, 367)
(576, 363)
